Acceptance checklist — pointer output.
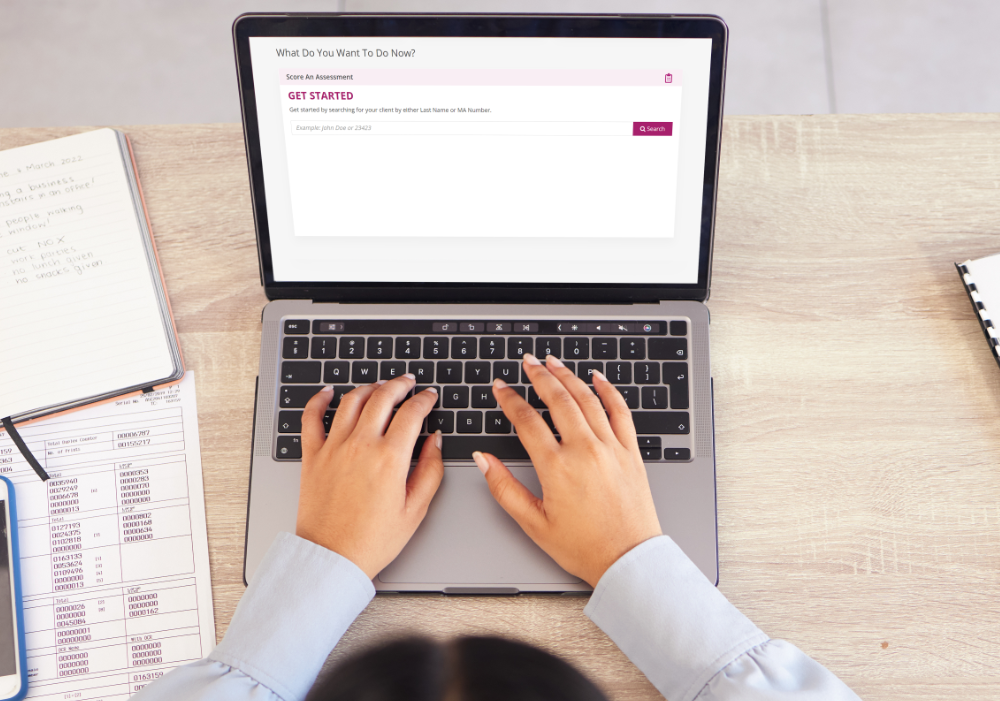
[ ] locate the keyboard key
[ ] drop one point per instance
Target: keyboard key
(619, 373)
(661, 422)
(633, 348)
(289, 422)
(338, 393)
(647, 373)
(649, 454)
(300, 371)
(364, 372)
(676, 376)
(407, 348)
(470, 422)
(295, 348)
(519, 389)
(435, 348)
(525, 327)
(668, 348)
(444, 327)
(352, 347)
(678, 328)
(423, 370)
(420, 388)
(570, 365)
(503, 447)
(456, 397)
(296, 396)
(631, 396)
(464, 348)
(576, 348)
(391, 369)
(498, 327)
(296, 326)
(548, 346)
(517, 347)
(289, 447)
(443, 421)
(677, 454)
(491, 348)
(324, 347)
(496, 422)
(472, 327)
(477, 373)
(605, 349)
(649, 441)
(328, 420)
(379, 347)
(507, 371)
(336, 371)
(654, 397)
(534, 400)
(482, 397)
(586, 371)
(449, 372)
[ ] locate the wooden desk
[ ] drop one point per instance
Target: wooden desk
(856, 402)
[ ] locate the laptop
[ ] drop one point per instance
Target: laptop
(441, 194)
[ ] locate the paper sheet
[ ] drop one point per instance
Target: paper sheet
(114, 548)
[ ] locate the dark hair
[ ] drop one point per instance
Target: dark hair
(465, 669)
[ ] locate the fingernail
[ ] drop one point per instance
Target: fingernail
(599, 375)
(380, 382)
(553, 361)
(480, 462)
(410, 375)
(437, 438)
(531, 360)
(432, 389)
(328, 389)
(499, 384)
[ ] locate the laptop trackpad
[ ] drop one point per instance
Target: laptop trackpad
(467, 539)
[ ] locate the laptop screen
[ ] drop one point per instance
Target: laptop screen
(567, 160)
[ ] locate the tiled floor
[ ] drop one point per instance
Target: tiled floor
(68, 62)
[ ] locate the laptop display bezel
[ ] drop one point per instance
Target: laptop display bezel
(520, 25)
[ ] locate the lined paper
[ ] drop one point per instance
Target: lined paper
(79, 315)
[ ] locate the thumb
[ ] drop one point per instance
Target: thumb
(523, 506)
(426, 476)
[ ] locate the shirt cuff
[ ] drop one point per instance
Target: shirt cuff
(301, 600)
(674, 625)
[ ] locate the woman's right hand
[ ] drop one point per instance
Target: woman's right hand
(596, 503)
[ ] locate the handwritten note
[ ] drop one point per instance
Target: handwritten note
(80, 312)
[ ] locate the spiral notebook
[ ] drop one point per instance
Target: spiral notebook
(982, 283)
(85, 315)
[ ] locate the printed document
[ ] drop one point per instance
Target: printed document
(114, 548)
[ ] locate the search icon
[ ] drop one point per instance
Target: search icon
(642, 128)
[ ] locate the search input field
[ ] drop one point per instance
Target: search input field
(463, 128)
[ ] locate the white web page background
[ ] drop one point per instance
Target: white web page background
(343, 211)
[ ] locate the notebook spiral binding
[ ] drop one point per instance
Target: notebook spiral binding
(982, 313)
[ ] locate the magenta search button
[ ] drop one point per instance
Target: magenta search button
(652, 128)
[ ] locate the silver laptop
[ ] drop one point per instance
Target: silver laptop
(441, 194)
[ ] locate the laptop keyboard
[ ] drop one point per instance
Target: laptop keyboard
(646, 361)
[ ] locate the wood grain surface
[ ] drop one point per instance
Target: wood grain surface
(857, 406)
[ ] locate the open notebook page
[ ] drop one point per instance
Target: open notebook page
(985, 273)
(80, 316)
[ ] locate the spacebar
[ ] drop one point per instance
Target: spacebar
(462, 447)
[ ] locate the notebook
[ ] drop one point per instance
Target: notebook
(443, 194)
(982, 283)
(85, 315)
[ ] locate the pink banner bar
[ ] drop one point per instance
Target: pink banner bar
(478, 76)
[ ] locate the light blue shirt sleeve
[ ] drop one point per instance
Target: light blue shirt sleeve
(301, 601)
(691, 643)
